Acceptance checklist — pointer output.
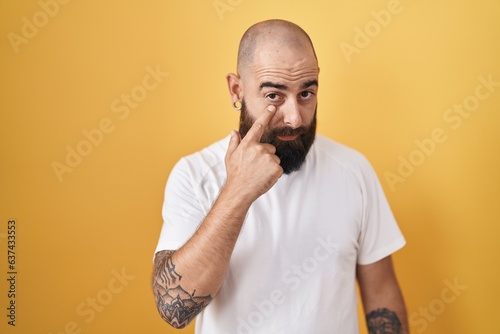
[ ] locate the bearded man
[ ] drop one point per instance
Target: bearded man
(267, 231)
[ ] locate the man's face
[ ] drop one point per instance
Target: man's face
(288, 79)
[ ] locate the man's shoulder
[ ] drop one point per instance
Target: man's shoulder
(199, 163)
(333, 158)
(211, 153)
(333, 151)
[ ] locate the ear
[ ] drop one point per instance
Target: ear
(235, 86)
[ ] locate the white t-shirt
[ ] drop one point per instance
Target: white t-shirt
(293, 266)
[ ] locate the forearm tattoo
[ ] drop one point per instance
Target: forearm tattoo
(383, 321)
(175, 305)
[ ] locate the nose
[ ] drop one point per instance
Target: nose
(291, 114)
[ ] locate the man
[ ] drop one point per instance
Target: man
(266, 231)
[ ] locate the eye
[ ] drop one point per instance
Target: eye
(273, 97)
(306, 95)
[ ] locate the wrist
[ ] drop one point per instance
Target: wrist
(236, 202)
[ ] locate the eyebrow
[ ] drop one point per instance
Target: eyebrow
(310, 83)
(273, 85)
(279, 86)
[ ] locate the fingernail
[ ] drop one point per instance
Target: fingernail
(271, 108)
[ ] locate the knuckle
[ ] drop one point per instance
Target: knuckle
(245, 146)
(258, 126)
(279, 170)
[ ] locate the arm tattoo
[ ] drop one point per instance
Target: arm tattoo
(383, 321)
(175, 305)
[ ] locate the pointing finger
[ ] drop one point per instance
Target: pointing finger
(259, 126)
(234, 141)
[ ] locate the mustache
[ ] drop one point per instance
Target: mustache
(288, 131)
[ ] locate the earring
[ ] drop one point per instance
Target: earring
(237, 105)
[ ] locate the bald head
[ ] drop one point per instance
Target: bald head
(268, 36)
(277, 66)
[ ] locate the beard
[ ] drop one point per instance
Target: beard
(292, 153)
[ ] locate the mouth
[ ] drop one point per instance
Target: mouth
(287, 138)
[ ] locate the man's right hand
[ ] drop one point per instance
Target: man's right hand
(252, 167)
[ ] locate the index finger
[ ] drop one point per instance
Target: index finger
(259, 126)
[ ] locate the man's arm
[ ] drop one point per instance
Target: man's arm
(175, 305)
(382, 299)
(185, 281)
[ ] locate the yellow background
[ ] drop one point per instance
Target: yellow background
(104, 216)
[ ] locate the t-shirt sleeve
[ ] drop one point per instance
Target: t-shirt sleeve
(182, 213)
(380, 235)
